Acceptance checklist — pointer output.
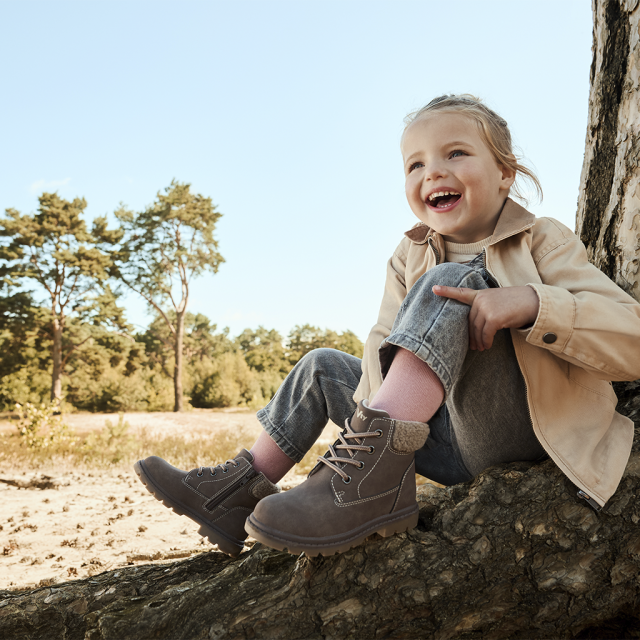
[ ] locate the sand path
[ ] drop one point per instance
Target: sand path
(102, 519)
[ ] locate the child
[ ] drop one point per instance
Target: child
(496, 341)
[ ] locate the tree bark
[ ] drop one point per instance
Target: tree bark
(608, 219)
(177, 370)
(513, 554)
(56, 375)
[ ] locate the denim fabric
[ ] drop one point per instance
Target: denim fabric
(318, 389)
(485, 419)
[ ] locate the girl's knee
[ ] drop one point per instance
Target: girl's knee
(323, 359)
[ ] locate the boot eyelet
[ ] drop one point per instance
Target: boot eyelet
(213, 473)
(361, 465)
(199, 474)
(379, 432)
(347, 481)
(371, 450)
(225, 470)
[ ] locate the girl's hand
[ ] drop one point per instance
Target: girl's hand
(494, 309)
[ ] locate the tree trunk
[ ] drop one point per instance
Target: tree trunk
(513, 554)
(56, 375)
(608, 219)
(177, 370)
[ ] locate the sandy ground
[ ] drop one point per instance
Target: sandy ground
(98, 520)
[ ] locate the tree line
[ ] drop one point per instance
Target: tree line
(69, 338)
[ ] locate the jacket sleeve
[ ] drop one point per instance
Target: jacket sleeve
(395, 292)
(595, 323)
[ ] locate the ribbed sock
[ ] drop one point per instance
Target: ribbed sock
(270, 459)
(410, 391)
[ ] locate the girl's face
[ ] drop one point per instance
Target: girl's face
(453, 182)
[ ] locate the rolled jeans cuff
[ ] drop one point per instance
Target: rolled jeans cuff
(434, 328)
(277, 435)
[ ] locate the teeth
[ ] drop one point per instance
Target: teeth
(443, 193)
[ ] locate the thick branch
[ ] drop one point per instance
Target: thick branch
(184, 281)
(173, 302)
(513, 554)
(74, 347)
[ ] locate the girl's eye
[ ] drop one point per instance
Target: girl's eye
(456, 153)
(415, 165)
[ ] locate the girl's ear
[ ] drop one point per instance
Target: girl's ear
(508, 174)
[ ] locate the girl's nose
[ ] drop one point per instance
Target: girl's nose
(434, 170)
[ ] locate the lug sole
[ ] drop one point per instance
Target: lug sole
(215, 536)
(277, 540)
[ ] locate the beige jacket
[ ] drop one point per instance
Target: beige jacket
(587, 333)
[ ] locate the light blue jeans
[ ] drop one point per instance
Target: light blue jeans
(485, 418)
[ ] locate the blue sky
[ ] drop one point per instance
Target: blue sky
(288, 115)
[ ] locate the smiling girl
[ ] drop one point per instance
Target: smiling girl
(496, 342)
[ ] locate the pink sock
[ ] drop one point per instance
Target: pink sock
(270, 459)
(410, 391)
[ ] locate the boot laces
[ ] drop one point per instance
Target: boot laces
(337, 463)
(223, 467)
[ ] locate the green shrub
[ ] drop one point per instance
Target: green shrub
(27, 385)
(226, 381)
(111, 445)
(41, 427)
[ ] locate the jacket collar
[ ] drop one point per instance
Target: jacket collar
(513, 219)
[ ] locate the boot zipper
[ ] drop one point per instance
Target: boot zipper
(236, 484)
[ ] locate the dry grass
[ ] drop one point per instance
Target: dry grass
(117, 446)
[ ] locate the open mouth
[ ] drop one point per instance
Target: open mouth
(443, 199)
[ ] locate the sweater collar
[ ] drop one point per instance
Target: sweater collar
(513, 219)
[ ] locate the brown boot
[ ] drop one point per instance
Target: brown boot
(218, 498)
(364, 484)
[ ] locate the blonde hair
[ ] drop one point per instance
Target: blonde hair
(494, 131)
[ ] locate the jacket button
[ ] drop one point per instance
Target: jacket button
(549, 338)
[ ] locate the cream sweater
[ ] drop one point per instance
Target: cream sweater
(455, 252)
